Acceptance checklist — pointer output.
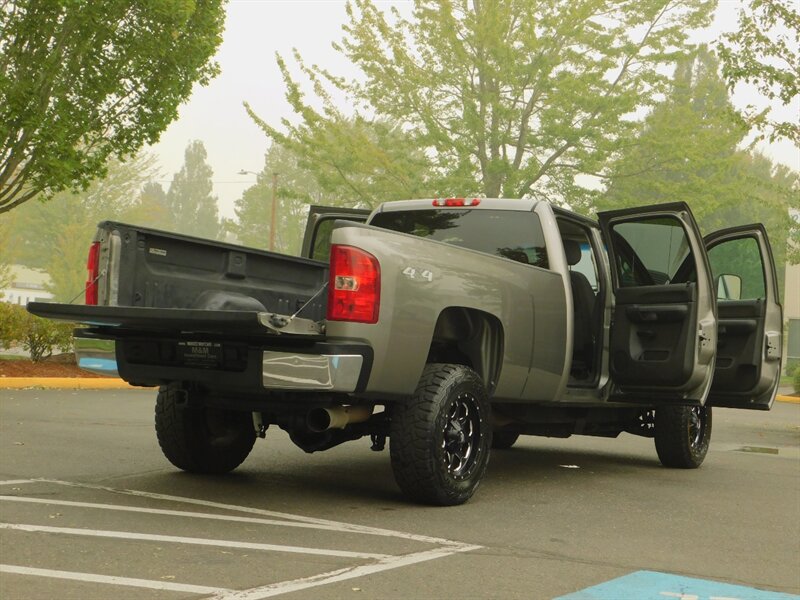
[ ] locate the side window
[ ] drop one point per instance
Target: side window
(586, 265)
(321, 245)
(738, 271)
(649, 251)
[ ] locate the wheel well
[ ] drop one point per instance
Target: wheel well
(470, 337)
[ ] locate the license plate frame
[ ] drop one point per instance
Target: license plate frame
(205, 355)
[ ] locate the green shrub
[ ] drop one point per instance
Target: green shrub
(38, 336)
(791, 365)
(11, 327)
(796, 381)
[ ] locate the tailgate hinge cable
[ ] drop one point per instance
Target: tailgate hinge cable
(309, 301)
(88, 284)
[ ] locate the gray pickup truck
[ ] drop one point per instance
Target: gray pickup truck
(450, 326)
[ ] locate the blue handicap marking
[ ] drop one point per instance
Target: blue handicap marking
(98, 364)
(649, 585)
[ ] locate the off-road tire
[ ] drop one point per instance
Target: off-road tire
(503, 440)
(441, 438)
(682, 435)
(198, 439)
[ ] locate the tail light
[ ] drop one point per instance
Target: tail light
(93, 267)
(354, 289)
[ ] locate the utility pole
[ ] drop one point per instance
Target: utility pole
(274, 211)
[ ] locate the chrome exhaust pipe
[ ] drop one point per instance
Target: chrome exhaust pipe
(336, 417)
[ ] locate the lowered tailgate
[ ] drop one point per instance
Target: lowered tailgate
(245, 352)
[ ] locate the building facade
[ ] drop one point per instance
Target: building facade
(27, 285)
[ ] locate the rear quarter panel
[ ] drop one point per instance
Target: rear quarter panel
(528, 301)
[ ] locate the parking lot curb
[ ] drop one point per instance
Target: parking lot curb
(75, 383)
(792, 399)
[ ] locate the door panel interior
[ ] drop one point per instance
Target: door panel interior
(663, 333)
(739, 351)
(751, 319)
(653, 341)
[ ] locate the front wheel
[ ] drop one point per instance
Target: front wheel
(682, 435)
(199, 439)
(440, 440)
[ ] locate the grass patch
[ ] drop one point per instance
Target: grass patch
(14, 357)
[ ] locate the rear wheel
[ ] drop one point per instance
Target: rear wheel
(440, 440)
(200, 439)
(682, 435)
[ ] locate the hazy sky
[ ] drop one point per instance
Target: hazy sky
(254, 31)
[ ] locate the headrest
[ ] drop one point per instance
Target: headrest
(573, 251)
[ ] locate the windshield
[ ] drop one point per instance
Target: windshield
(514, 235)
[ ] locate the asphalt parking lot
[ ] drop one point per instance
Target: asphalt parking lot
(89, 508)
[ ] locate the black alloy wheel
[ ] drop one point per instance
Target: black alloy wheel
(461, 435)
(441, 437)
(682, 435)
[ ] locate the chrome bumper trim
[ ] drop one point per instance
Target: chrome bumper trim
(97, 356)
(291, 371)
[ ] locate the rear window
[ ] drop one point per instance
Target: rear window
(510, 234)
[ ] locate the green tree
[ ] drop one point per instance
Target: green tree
(82, 80)
(297, 187)
(353, 161)
(152, 210)
(7, 254)
(509, 97)
(193, 207)
(687, 146)
(687, 150)
(55, 235)
(765, 51)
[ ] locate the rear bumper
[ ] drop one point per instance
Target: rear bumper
(311, 372)
(96, 355)
(316, 367)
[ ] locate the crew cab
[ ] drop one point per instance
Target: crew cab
(449, 326)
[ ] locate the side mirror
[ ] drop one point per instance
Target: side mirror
(729, 287)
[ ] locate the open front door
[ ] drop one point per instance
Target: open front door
(664, 328)
(750, 318)
(317, 238)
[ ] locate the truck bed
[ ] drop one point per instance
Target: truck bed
(156, 269)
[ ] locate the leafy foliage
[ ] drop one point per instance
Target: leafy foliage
(82, 80)
(687, 150)
(189, 199)
(37, 336)
(55, 235)
(296, 189)
(509, 97)
(765, 51)
(6, 254)
(796, 380)
(10, 324)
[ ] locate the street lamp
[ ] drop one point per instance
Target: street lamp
(274, 205)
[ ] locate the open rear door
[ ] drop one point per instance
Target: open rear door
(317, 238)
(664, 327)
(750, 318)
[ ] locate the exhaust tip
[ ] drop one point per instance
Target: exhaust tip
(318, 420)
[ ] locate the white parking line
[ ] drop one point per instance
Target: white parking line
(383, 562)
(108, 579)
(393, 562)
(149, 537)
(164, 511)
(332, 525)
